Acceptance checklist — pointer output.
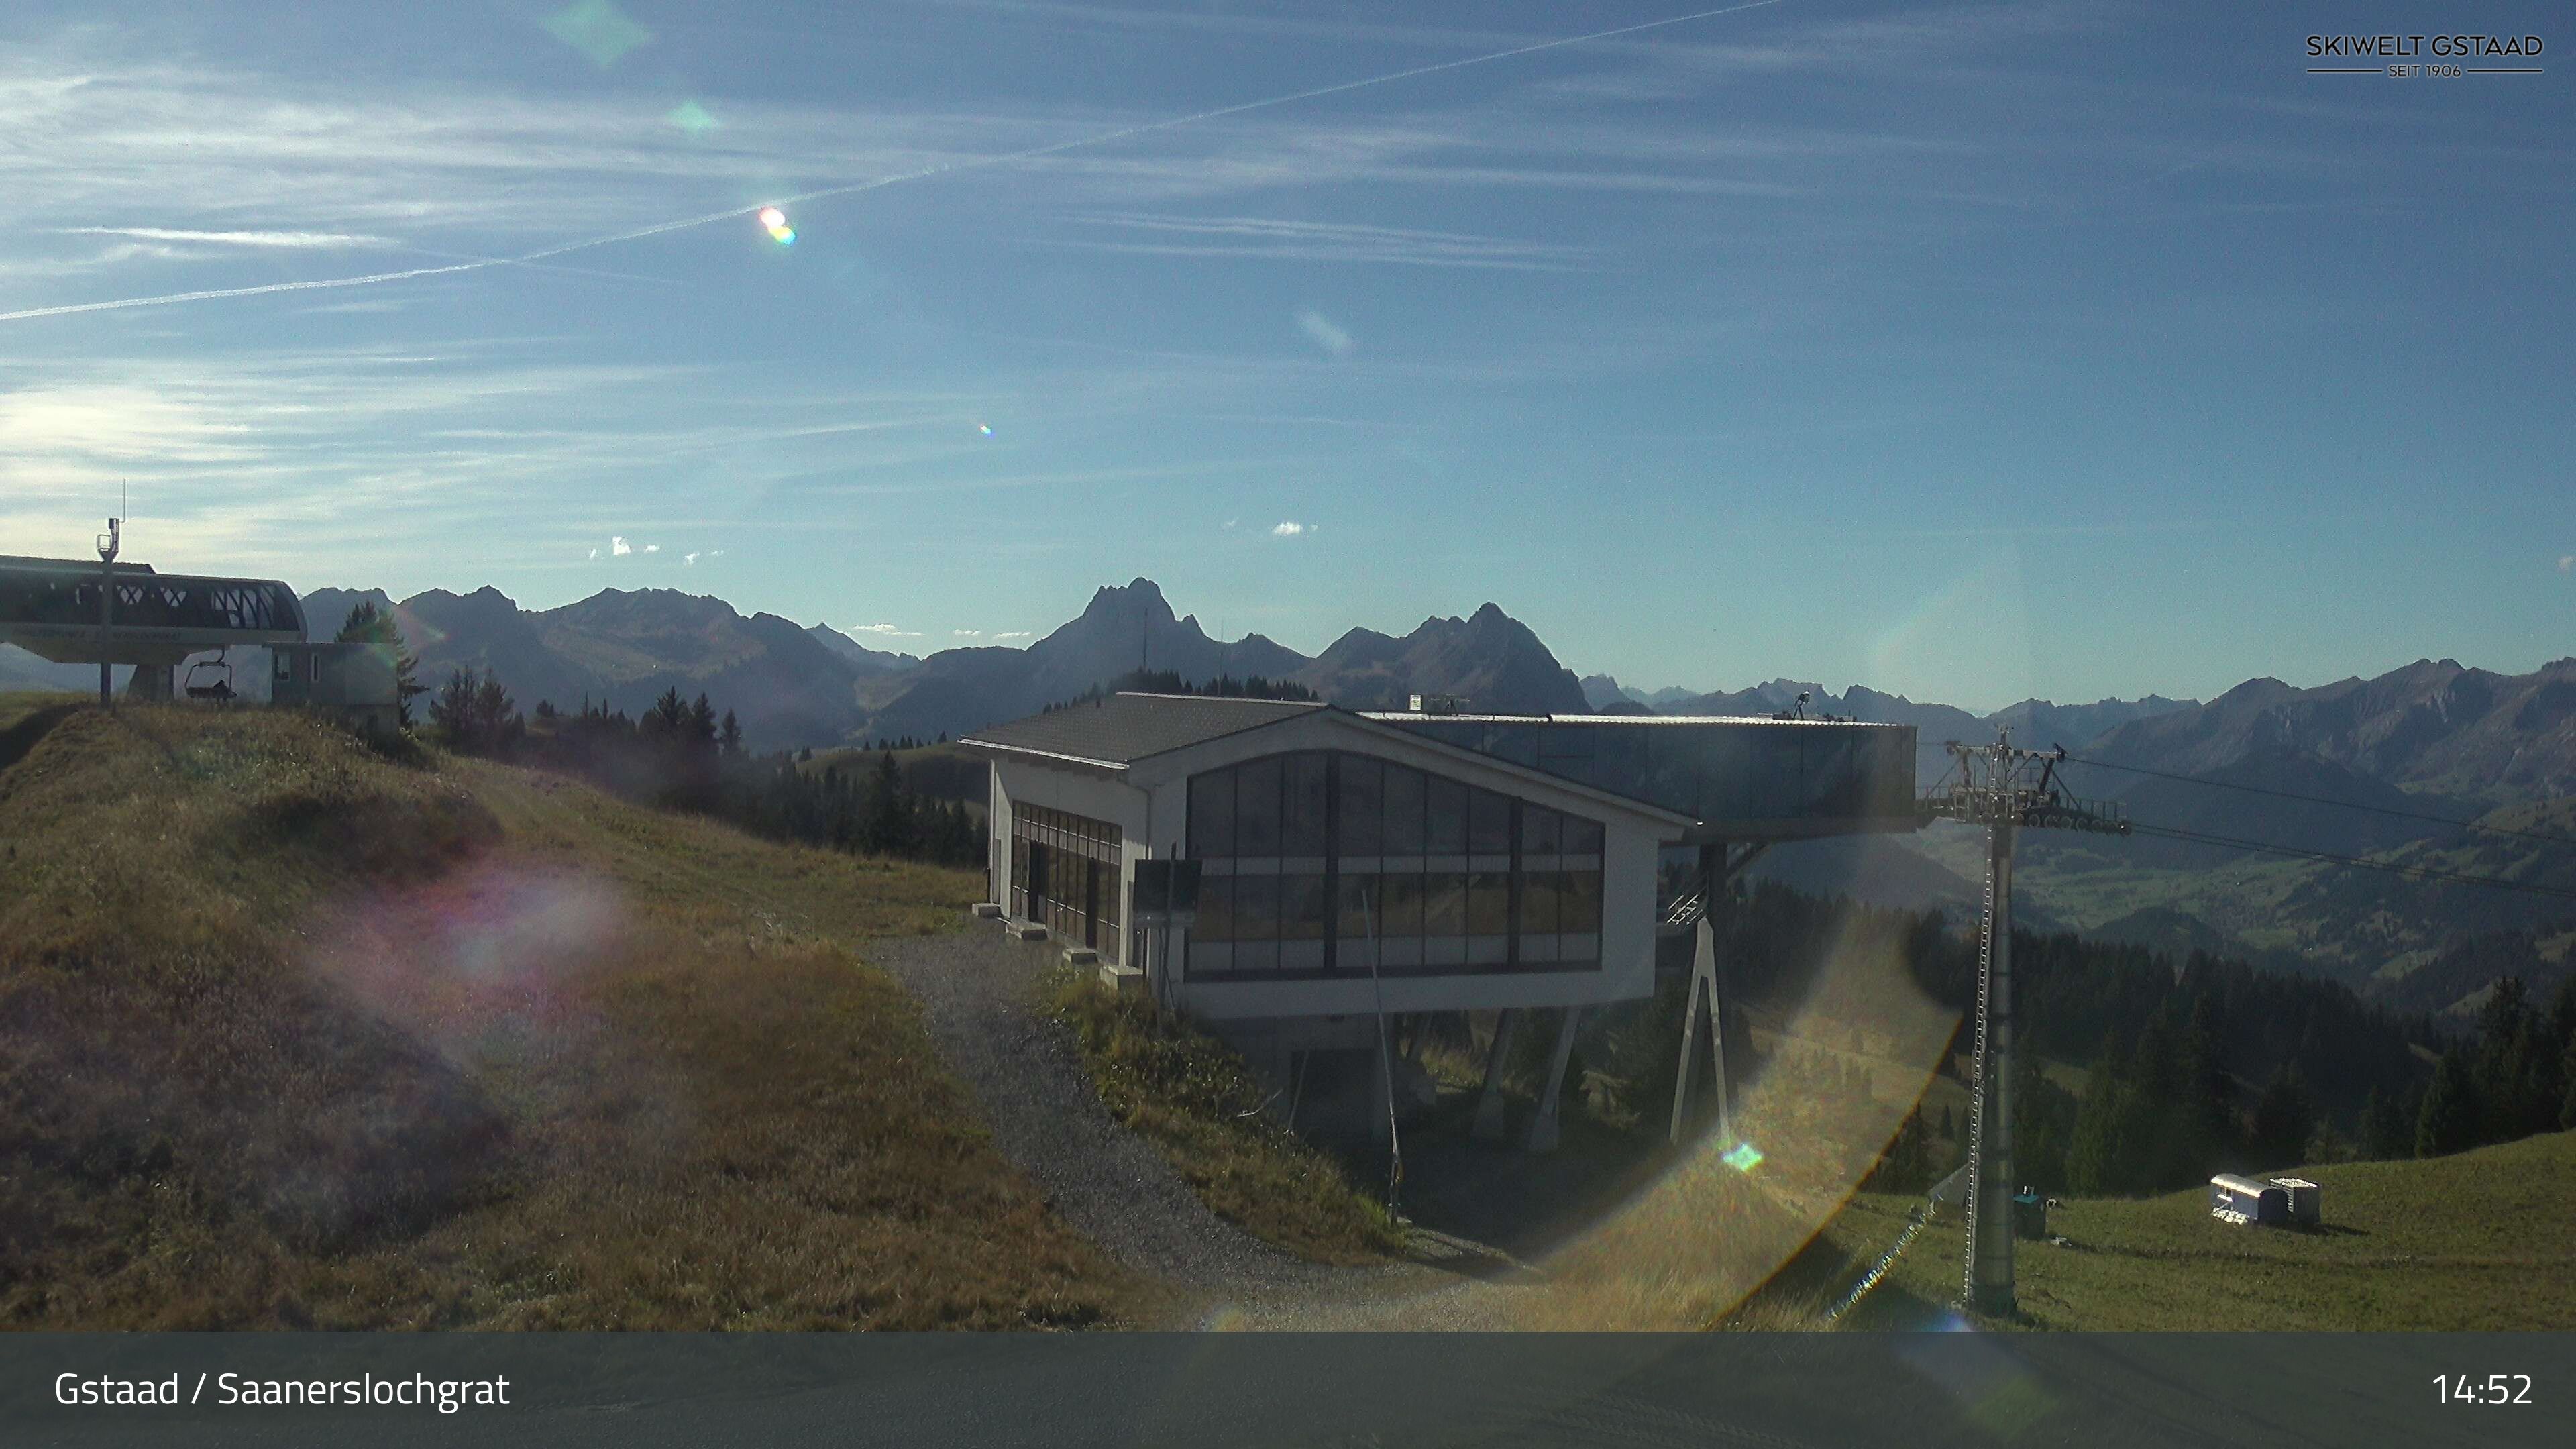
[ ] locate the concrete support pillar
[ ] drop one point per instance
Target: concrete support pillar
(1705, 1010)
(1489, 1107)
(1543, 1133)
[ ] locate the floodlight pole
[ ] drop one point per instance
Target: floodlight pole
(108, 543)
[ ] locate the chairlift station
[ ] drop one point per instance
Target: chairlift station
(71, 611)
(1356, 864)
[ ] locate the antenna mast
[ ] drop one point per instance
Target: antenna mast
(2006, 789)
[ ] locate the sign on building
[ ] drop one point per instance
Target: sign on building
(1167, 893)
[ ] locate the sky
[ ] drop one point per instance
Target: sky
(1971, 352)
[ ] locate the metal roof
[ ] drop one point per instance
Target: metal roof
(1407, 716)
(1124, 728)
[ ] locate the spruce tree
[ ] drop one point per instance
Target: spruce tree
(2101, 1159)
(2385, 1131)
(2449, 1120)
(2284, 1118)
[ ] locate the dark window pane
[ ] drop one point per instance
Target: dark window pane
(1539, 891)
(1301, 908)
(1401, 912)
(1540, 830)
(1256, 807)
(1362, 804)
(1444, 904)
(1582, 837)
(1216, 910)
(1445, 818)
(1489, 910)
(1489, 829)
(1580, 908)
(1301, 827)
(1256, 907)
(1212, 814)
(1360, 911)
(1404, 791)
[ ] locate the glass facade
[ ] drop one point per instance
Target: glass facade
(1065, 876)
(1711, 770)
(1324, 862)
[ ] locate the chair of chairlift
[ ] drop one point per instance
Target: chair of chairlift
(220, 687)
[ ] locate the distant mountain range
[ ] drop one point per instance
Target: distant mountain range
(1488, 657)
(795, 685)
(2414, 748)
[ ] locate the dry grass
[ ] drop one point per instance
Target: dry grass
(291, 1035)
(1181, 1090)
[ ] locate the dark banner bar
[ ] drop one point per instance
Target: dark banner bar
(1419, 1391)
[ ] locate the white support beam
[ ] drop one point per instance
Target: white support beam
(1489, 1106)
(1543, 1134)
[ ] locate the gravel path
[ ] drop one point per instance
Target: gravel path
(977, 991)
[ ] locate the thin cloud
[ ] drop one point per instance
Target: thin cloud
(887, 631)
(1231, 522)
(2567, 563)
(598, 29)
(1016, 634)
(1249, 236)
(293, 239)
(967, 633)
(618, 546)
(652, 548)
(1324, 333)
(1286, 528)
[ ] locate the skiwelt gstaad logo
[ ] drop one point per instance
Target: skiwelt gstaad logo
(2425, 57)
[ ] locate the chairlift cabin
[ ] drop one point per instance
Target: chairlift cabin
(211, 679)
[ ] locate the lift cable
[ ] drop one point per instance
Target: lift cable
(2545, 838)
(2424, 872)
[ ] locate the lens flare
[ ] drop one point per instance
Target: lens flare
(1743, 1157)
(984, 428)
(776, 222)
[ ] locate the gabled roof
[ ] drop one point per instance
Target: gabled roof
(1124, 728)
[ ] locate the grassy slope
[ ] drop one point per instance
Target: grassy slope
(2480, 1241)
(291, 1035)
(1196, 1102)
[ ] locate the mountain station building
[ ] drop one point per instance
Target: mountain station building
(1359, 865)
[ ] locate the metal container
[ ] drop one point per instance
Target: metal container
(2306, 1207)
(2245, 1201)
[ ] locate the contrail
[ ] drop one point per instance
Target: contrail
(975, 163)
(165, 300)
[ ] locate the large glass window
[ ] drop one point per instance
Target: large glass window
(1067, 875)
(1256, 807)
(1305, 789)
(1445, 817)
(1404, 792)
(1363, 806)
(1323, 862)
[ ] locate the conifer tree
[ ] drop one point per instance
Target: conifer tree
(2449, 1120)
(367, 624)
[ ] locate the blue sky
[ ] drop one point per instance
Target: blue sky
(1966, 351)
